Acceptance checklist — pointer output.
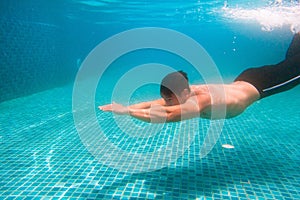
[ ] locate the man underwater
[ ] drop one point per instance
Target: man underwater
(182, 101)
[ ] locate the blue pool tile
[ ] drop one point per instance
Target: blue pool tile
(71, 172)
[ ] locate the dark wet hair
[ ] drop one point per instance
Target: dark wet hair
(174, 83)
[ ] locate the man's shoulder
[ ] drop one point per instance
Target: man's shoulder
(199, 88)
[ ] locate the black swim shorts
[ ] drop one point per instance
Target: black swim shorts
(272, 79)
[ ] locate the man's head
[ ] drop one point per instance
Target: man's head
(174, 88)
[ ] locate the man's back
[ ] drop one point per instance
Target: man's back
(236, 97)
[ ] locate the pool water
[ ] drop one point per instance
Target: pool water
(43, 155)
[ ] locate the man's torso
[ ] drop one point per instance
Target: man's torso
(232, 99)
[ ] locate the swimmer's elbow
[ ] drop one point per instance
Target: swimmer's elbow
(173, 116)
(167, 115)
(165, 118)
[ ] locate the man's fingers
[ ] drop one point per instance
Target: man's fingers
(110, 107)
(105, 107)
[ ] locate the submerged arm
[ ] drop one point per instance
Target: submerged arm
(142, 105)
(148, 104)
(157, 113)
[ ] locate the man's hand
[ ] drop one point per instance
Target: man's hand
(115, 108)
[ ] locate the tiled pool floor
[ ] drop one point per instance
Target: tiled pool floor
(42, 156)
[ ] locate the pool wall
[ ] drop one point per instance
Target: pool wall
(34, 51)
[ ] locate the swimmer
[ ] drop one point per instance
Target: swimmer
(182, 101)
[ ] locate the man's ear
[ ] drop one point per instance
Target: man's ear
(185, 93)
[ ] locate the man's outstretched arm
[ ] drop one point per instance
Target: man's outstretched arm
(148, 104)
(157, 113)
(142, 105)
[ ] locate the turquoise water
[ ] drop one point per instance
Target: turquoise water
(43, 156)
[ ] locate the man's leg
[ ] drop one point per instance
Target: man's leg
(294, 47)
(272, 79)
